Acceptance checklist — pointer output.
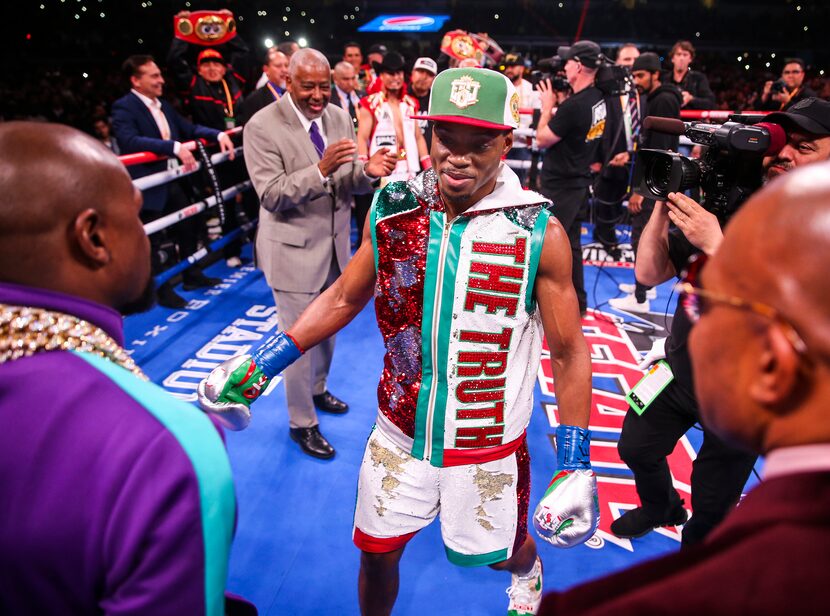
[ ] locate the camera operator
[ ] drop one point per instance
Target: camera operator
(622, 130)
(694, 86)
(572, 138)
(782, 94)
(719, 471)
(660, 100)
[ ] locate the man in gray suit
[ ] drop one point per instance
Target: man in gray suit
(302, 159)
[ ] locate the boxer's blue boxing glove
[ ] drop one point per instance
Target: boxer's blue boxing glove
(229, 390)
(568, 513)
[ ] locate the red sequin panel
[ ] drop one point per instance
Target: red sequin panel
(522, 494)
(402, 246)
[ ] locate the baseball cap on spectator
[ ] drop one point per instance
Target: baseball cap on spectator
(647, 61)
(586, 53)
(513, 59)
(392, 63)
(378, 48)
(475, 97)
(209, 55)
(426, 64)
(810, 114)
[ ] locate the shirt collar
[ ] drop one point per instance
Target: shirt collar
(99, 315)
(343, 94)
(800, 459)
(304, 120)
(150, 102)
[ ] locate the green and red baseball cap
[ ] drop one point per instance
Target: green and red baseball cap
(473, 96)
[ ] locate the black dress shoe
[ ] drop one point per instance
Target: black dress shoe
(312, 442)
(636, 522)
(328, 403)
(197, 280)
(168, 298)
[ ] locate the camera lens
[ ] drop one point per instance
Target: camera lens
(658, 175)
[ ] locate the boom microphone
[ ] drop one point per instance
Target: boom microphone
(668, 126)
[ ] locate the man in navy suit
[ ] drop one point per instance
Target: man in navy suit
(143, 122)
(760, 349)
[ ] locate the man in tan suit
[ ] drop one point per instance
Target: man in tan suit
(302, 160)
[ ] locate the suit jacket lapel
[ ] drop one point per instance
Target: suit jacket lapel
(296, 130)
(148, 115)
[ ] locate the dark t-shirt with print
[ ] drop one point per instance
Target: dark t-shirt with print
(580, 122)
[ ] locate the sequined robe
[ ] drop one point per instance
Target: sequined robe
(454, 303)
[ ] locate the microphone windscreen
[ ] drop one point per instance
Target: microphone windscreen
(669, 126)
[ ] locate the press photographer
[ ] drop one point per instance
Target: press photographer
(572, 138)
(650, 433)
(789, 89)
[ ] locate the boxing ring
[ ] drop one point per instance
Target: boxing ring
(292, 550)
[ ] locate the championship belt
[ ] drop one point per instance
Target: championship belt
(205, 28)
(462, 45)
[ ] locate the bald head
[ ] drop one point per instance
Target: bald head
(345, 77)
(756, 384)
(68, 215)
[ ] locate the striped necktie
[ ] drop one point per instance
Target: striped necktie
(317, 139)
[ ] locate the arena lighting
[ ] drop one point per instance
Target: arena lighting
(302, 42)
(268, 43)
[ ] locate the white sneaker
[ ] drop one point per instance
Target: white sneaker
(233, 262)
(629, 303)
(526, 592)
(630, 288)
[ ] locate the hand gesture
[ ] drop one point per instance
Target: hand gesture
(699, 226)
(381, 164)
(336, 155)
(547, 96)
(635, 203)
(687, 97)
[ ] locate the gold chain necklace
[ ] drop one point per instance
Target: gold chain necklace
(26, 330)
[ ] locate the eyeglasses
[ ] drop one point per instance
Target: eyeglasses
(694, 300)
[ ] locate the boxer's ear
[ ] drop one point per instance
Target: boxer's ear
(89, 238)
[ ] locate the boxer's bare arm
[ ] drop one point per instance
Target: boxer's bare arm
(342, 301)
(559, 309)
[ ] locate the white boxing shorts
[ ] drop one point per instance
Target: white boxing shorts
(482, 507)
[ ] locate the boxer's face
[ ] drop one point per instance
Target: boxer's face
(466, 159)
(130, 250)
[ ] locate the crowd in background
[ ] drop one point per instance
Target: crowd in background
(69, 97)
